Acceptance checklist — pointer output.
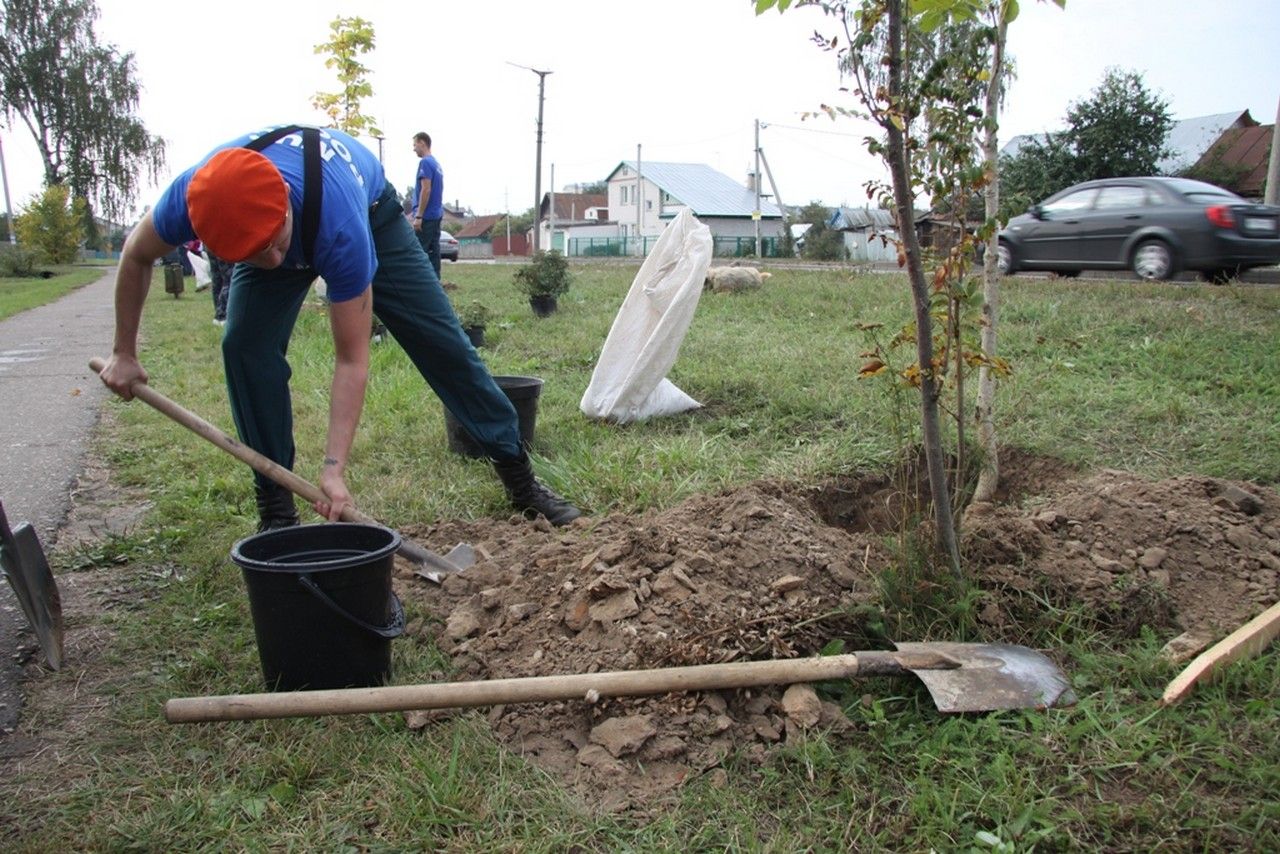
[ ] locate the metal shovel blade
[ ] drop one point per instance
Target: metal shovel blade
(992, 676)
(459, 558)
(27, 571)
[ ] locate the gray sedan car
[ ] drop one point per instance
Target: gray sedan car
(1156, 227)
(448, 246)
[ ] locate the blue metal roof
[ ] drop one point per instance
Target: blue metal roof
(704, 190)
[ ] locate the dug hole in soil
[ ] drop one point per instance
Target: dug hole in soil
(777, 570)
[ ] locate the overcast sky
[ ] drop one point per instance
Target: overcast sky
(684, 79)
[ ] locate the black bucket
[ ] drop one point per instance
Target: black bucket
(523, 392)
(323, 611)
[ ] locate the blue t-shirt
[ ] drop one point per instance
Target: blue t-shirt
(429, 167)
(353, 181)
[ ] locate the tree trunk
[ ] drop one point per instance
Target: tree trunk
(989, 474)
(1273, 164)
(901, 172)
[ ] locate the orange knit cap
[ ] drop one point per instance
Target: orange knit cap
(237, 203)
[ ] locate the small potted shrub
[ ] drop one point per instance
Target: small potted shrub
(542, 280)
(474, 317)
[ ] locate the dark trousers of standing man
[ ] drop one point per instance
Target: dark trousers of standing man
(429, 237)
(220, 276)
(407, 297)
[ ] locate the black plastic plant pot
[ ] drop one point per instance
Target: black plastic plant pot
(523, 392)
(542, 305)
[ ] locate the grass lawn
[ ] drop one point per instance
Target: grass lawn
(1162, 380)
(18, 295)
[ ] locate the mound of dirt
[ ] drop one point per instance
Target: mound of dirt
(760, 572)
(749, 574)
(1191, 553)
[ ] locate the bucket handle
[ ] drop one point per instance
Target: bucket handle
(394, 630)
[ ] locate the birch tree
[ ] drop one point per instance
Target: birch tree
(78, 99)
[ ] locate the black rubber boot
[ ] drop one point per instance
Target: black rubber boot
(275, 507)
(531, 497)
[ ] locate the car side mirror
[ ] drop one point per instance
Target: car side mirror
(1036, 212)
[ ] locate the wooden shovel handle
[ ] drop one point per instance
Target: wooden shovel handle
(533, 689)
(269, 468)
(197, 425)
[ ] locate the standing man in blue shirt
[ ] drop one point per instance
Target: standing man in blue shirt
(428, 199)
(287, 204)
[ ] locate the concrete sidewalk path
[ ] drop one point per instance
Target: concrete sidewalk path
(49, 405)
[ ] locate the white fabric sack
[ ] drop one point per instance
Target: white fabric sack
(201, 268)
(629, 382)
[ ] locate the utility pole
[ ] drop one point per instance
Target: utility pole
(773, 185)
(506, 203)
(551, 211)
(1272, 196)
(755, 179)
(639, 207)
(381, 140)
(537, 176)
(8, 208)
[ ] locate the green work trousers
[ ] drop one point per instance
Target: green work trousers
(407, 297)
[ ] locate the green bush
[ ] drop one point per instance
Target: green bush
(53, 225)
(823, 244)
(473, 314)
(546, 276)
(17, 262)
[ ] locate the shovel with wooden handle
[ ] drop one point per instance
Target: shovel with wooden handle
(430, 565)
(960, 677)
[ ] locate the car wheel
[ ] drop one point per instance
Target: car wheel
(1153, 260)
(1068, 274)
(1004, 259)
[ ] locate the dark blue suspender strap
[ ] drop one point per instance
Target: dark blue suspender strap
(312, 180)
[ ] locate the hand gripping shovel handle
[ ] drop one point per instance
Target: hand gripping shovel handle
(298, 486)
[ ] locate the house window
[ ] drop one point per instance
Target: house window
(648, 204)
(626, 194)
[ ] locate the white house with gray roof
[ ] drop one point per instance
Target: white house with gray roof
(642, 201)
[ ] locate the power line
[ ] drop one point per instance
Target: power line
(692, 141)
(811, 130)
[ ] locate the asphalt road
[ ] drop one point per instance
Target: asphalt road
(49, 404)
